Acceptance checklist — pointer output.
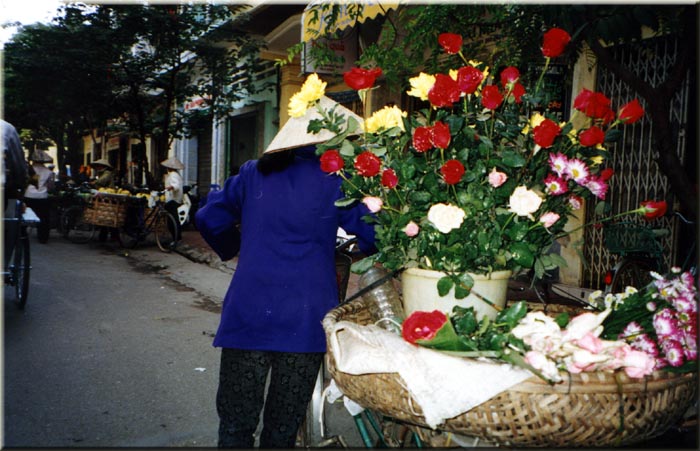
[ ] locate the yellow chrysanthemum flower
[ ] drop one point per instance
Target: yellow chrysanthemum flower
(573, 134)
(421, 85)
(474, 63)
(597, 160)
(535, 120)
(311, 91)
(385, 119)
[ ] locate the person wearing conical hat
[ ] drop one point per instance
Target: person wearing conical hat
(105, 173)
(36, 196)
(278, 215)
(173, 185)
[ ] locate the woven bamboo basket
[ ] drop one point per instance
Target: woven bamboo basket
(107, 210)
(587, 410)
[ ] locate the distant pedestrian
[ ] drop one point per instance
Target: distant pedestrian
(284, 283)
(173, 185)
(36, 196)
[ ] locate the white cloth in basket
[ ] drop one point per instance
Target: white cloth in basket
(443, 386)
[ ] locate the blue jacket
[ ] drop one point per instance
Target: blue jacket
(285, 281)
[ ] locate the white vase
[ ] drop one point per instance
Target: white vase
(420, 293)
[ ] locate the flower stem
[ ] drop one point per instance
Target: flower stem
(539, 82)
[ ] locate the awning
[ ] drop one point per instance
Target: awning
(318, 14)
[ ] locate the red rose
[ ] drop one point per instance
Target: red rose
(545, 133)
(469, 78)
(554, 42)
(491, 98)
(653, 209)
(452, 170)
(606, 174)
(518, 92)
(440, 135)
(358, 78)
(389, 178)
(422, 325)
(367, 164)
(631, 112)
(450, 42)
(422, 139)
(591, 137)
(509, 75)
(595, 105)
(444, 92)
(331, 161)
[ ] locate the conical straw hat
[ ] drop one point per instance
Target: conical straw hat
(101, 162)
(40, 156)
(173, 163)
(294, 133)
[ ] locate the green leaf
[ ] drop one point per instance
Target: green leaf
(522, 254)
(444, 285)
(347, 149)
(363, 265)
(445, 339)
(512, 315)
(562, 319)
(613, 135)
(513, 159)
(464, 320)
(344, 202)
(463, 286)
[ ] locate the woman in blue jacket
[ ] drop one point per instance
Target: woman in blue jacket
(283, 207)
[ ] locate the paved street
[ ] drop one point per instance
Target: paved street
(113, 350)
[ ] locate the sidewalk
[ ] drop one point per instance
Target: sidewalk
(196, 249)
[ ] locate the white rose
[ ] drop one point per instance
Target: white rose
(446, 217)
(524, 202)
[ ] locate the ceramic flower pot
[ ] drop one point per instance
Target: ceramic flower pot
(419, 288)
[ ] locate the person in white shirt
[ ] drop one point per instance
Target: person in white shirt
(36, 196)
(173, 184)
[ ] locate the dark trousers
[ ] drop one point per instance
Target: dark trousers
(241, 396)
(42, 208)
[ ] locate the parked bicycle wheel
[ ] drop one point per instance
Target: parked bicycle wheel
(74, 226)
(22, 265)
(631, 273)
(166, 231)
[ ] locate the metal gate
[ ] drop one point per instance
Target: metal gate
(637, 177)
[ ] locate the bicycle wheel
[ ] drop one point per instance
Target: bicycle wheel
(22, 268)
(165, 229)
(129, 235)
(631, 273)
(74, 227)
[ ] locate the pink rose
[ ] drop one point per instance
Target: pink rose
(548, 219)
(411, 229)
(637, 364)
(497, 178)
(374, 204)
(590, 343)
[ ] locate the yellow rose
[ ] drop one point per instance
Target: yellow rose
(385, 119)
(421, 85)
(311, 91)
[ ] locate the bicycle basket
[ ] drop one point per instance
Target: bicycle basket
(631, 238)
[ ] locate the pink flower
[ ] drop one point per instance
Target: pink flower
(631, 330)
(584, 360)
(673, 351)
(374, 204)
(558, 163)
(576, 202)
(548, 219)
(596, 186)
(497, 178)
(645, 344)
(665, 323)
(591, 343)
(637, 364)
(555, 185)
(411, 229)
(576, 170)
(540, 362)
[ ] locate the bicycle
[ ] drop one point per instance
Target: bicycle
(140, 223)
(17, 258)
(72, 224)
(375, 430)
(641, 253)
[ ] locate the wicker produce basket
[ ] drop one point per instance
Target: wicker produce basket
(107, 210)
(587, 410)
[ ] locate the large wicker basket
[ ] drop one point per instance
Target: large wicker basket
(107, 210)
(587, 410)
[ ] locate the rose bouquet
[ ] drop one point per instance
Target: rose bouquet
(483, 178)
(637, 331)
